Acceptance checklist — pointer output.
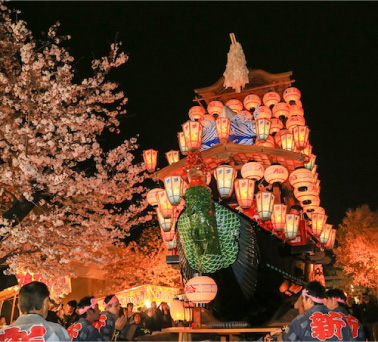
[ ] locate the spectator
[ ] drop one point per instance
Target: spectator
(52, 315)
(3, 322)
(316, 324)
(166, 318)
(32, 324)
(369, 316)
(82, 330)
(135, 328)
(129, 312)
(70, 316)
(336, 301)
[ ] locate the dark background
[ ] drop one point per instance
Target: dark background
(176, 47)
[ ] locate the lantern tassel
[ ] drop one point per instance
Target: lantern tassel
(236, 74)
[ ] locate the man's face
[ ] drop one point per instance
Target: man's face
(114, 308)
(137, 319)
(153, 305)
(2, 320)
(130, 307)
(331, 303)
(93, 315)
(69, 310)
(307, 303)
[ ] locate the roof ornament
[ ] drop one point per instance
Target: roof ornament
(236, 74)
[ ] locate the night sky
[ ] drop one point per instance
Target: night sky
(176, 47)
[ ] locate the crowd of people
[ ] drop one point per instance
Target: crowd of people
(323, 316)
(42, 320)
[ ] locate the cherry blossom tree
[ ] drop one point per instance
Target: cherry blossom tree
(64, 199)
(357, 253)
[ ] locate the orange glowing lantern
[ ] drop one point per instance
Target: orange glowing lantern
(295, 121)
(275, 125)
(318, 222)
(301, 134)
(174, 186)
(314, 200)
(264, 202)
(164, 205)
(251, 102)
(314, 209)
(307, 150)
(268, 142)
(245, 189)
(172, 156)
(276, 174)
(324, 236)
(271, 98)
(262, 129)
(201, 289)
(150, 160)
(279, 216)
(215, 107)
(166, 224)
(291, 95)
(287, 141)
(183, 148)
(315, 179)
(281, 109)
(235, 105)
(301, 179)
(193, 135)
(151, 196)
(296, 110)
(277, 137)
(331, 239)
(291, 226)
(264, 113)
(308, 196)
(196, 113)
(311, 162)
(223, 129)
(225, 176)
(252, 170)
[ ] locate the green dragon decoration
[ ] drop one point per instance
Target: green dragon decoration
(208, 231)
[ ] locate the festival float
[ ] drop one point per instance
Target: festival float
(241, 205)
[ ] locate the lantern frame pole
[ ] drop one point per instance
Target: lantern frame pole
(13, 307)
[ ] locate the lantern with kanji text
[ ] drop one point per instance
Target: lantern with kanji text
(331, 239)
(251, 102)
(295, 121)
(262, 129)
(281, 110)
(193, 135)
(278, 217)
(324, 236)
(182, 143)
(150, 159)
(291, 226)
(235, 105)
(276, 174)
(196, 113)
(318, 222)
(174, 186)
(296, 110)
(271, 98)
(201, 289)
(307, 150)
(225, 176)
(223, 126)
(264, 203)
(291, 95)
(275, 125)
(264, 113)
(311, 162)
(301, 179)
(268, 142)
(301, 134)
(244, 190)
(151, 196)
(172, 156)
(215, 107)
(252, 170)
(287, 141)
(164, 205)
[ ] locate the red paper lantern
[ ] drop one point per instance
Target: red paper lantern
(235, 105)
(252, 170)
(244, 189)
(318, 222)
(264, 113)
(287, 141)
(196, 113)
(296, 110)
(150, 159)
(182, 143)
(271, 98)
(268, 142)
(215, 107)
(324, 236)
(276, 174)
(291, 94)
(223, 126)
(301, 178)
(295, 121)
(164, 205)
(193, 135)
(278, 216)
(301, 134)
(172, 156)
(281, 109)
(275, 125)
(251, 102)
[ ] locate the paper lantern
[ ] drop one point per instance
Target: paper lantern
(251, 102)
(277, 137)
(295, 121)
(271, 98)
(281, 109)
(174, 186)
(287, 141)
(301, 134)
(264, 113)
(235, 105)
(301, 179)
(296, 110)
(177, 310)
(268, 142)
(172, 156)
(244, 190)
(278, 217)
(164, 205)
(291, 94)
(151, 196)
(215, 107)
(252, 170)
(264, 202)
(166, 224)
(201, 289)
(314, 209)
(262, 129)
(315, 179)
(291, 226)
(311, 162)
(193, 135)
(324, 236)
(223, 126)
(181, 138)
(313, 201)
(150, 160)
(331, 239)
(196, 113)
(307, 150)
(307, 196)
(318, 222)
(275, 125)
(225, 176)
(276, 174)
